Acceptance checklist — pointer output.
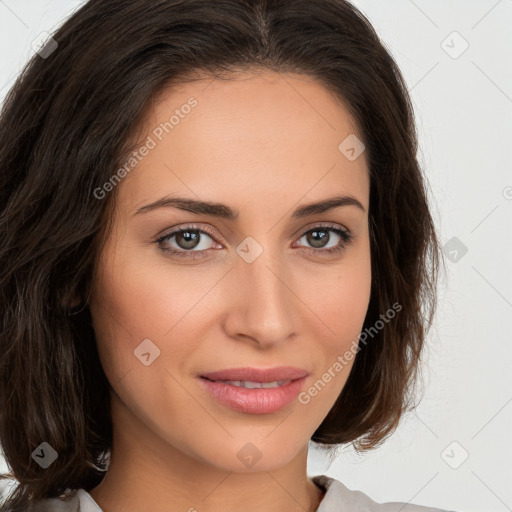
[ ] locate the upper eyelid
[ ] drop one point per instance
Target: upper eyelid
(326, 225)
(302, 231)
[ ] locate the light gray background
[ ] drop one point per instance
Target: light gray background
(463, 105)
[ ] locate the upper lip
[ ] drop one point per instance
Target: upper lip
(257, 374)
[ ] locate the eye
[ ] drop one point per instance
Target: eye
(320, 236)
(189, 241)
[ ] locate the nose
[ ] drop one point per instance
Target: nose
(263, 306)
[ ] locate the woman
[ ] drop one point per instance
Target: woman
(217, 247)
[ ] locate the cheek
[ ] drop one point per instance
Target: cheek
(132, 304)
(342, 307)
(148, 303)
(135, 300)
(343, 300)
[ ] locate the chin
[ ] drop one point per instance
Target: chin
(252, 455)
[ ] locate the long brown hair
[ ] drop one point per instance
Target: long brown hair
(64, 128)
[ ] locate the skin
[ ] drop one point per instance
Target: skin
(262, 143)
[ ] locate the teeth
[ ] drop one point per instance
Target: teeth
(252, 385)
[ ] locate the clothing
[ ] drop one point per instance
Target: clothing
(340, 498)
(337, 498)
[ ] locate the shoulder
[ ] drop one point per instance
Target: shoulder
(339, 497)
(68, 504)
(80, 501)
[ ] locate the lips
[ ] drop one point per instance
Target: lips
(253, 390)
(282, 373)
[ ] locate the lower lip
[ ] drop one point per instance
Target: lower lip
(254, 401)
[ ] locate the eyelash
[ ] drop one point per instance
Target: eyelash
(346, 239)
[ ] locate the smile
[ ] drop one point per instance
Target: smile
(255, 385)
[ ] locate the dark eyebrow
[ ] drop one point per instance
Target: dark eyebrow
(226, 212)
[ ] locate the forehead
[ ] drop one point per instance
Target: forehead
(268, 135)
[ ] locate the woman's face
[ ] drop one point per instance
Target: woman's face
(257, 288)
